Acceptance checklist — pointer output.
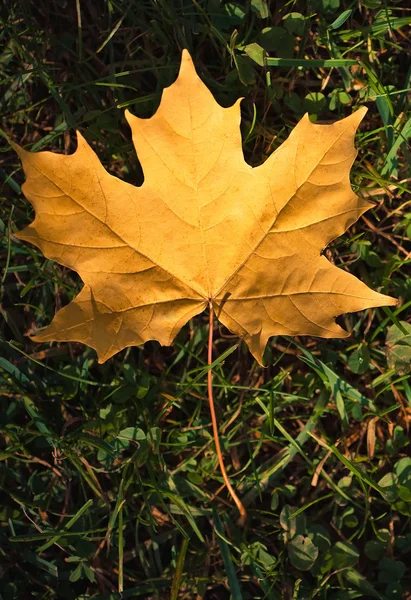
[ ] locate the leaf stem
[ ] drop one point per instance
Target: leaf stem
(238, 503)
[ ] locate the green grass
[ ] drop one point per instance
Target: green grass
(109, 483)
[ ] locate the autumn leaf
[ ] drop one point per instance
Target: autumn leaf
(205, 228)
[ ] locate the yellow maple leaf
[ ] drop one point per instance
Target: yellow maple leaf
(205, 228)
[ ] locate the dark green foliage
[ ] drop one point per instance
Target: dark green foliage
(108, 474)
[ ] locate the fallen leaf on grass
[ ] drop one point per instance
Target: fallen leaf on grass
(205, 228)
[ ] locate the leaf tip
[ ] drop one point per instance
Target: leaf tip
(357, 116)
(79, 135)
(186, 56)
(101, 359)
(389, 301)
(187, 64)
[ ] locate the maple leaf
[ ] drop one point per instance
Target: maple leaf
(205, 228)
